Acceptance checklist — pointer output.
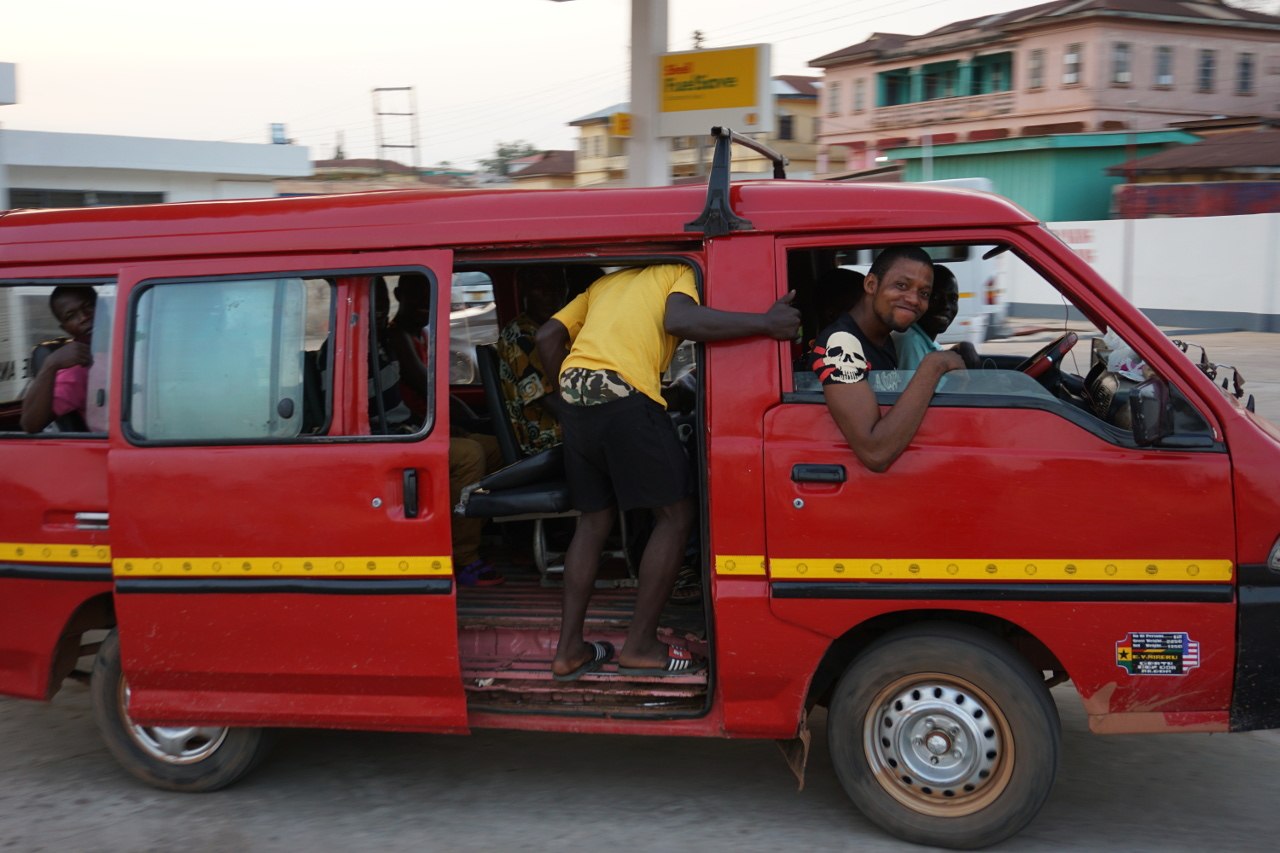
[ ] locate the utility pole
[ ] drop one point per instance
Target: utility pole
(407, 99)
(648, 154)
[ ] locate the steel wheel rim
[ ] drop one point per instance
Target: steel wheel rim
(171, 744)
(938, 745)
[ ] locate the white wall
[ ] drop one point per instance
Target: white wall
(1219, 271)
(183, 170)
(176, 186)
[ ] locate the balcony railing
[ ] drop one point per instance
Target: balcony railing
(943, 110)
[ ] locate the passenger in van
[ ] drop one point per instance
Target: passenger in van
(409, 342)
(393, 415)
(895, 295)
(471, 455)
(609, 348)
(525, 387)
(61, 386)
(921, 339)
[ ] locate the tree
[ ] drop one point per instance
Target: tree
(500, 162)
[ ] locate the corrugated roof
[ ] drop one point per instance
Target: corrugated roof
(602, 115)
(363, 164)
(992, 27)
(792, 85)
(547, 164)
(1243, 150)
(783, 85)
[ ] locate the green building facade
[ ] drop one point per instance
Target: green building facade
(1055, 178)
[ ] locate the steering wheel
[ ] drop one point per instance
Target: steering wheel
(1048, 356)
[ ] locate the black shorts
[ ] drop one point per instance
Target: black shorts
(625, 452)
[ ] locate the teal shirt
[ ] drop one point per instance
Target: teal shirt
(913, 345)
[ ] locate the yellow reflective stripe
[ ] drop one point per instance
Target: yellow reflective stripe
(1005, 569)
(751, 564)
(249, 567)
(45, 552)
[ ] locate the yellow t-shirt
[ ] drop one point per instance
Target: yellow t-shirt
(616, 324)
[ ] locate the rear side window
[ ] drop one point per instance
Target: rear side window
(229, 360)
(30, 333)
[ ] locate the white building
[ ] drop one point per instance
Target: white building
(43, 169)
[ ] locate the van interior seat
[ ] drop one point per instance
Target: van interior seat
(528, 487)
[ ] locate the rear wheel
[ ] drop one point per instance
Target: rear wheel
(175, 758)
(943, 735)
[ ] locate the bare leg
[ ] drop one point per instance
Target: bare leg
(581, 563)
(658, 568)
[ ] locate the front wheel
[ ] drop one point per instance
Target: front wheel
(175, 758)
(942, 735)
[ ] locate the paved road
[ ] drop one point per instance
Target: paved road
(322, 791)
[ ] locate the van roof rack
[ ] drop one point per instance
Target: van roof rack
(717, 217)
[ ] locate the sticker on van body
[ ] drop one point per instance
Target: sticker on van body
(1157, 653)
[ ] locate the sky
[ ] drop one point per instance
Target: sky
(483, 71)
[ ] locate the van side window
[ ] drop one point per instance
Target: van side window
(1053, 358)
(228, 360)
(67, 400)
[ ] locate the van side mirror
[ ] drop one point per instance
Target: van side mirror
(1152, 414)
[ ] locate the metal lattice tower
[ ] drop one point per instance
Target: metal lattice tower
(402, 96)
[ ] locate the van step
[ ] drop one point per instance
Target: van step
(527, 685)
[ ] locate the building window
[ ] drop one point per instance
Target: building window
(1072, 63)
(786, 127)
(40, 198)
(1121, 64)
(1164, 66)
(895, 87)
(1244, 74)
(1207, 69)
(1035, 69)
(833, 99)
(990, 73)
(859, 95)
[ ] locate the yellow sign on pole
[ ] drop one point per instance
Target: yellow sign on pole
(620, 124)
(730, 87)
(709, 79)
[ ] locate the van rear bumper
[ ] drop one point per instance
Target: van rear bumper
(1255, 702)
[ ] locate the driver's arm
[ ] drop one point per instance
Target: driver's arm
(878, 440)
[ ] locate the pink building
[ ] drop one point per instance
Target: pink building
(1068, 66)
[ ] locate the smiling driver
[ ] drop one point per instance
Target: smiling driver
(895, 295)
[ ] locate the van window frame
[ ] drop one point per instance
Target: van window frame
(1059, 278)
(51, 283)
(365, 305)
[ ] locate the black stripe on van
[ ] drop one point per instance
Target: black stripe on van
(29, 571)
(1173, 592)
(312, 586)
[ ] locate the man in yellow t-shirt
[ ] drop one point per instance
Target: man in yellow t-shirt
(609, 347)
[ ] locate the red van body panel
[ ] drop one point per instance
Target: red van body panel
(383, 659)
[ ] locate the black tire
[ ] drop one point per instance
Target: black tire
(174, 758)
(943, 735)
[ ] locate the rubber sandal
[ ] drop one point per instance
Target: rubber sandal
(680, 661)
(602, 654)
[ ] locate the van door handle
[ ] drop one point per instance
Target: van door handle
(410, 493)
(808, 472)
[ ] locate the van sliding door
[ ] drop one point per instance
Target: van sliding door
(284, 540)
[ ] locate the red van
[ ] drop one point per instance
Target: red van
(241, 541)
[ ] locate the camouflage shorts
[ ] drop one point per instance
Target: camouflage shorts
(582, 387)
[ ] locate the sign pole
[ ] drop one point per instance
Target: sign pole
(648, 155)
